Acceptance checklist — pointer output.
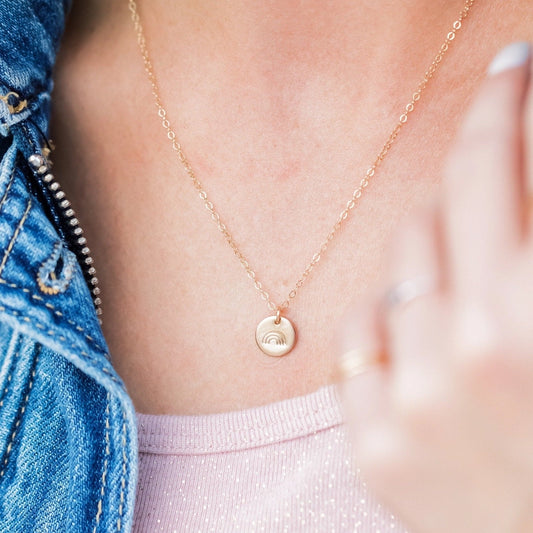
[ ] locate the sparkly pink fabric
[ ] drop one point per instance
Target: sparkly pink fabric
(281, 467)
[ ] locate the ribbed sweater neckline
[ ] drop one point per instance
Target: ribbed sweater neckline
(238, 430)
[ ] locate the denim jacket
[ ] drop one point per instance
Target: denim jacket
(68, 445)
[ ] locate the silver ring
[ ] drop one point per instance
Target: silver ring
(409, 290)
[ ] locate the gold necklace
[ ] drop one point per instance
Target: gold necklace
(275, 335)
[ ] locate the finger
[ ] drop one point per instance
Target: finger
(493, 349)
(481, 183)
(527, 184)
(415, 331)
(364, 394)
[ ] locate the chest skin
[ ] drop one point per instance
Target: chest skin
(279, 161)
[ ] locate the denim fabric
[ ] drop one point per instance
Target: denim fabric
(68, 445)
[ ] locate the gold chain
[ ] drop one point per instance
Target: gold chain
(171, 134)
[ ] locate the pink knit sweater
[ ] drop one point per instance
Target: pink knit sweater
(284, 467)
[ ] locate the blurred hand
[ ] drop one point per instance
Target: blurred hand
(443, 431)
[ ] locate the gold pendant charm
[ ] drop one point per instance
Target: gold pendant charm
(275, 335)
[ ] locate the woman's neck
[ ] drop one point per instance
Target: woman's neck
(279, 25)
(275, 35)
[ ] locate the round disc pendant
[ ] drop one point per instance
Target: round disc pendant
(274, 339)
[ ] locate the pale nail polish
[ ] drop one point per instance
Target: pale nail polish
(512, 56)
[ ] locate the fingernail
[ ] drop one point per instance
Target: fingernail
(512, 56)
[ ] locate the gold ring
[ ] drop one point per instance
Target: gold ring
(359, 360)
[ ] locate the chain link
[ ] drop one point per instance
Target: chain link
(357, 193)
